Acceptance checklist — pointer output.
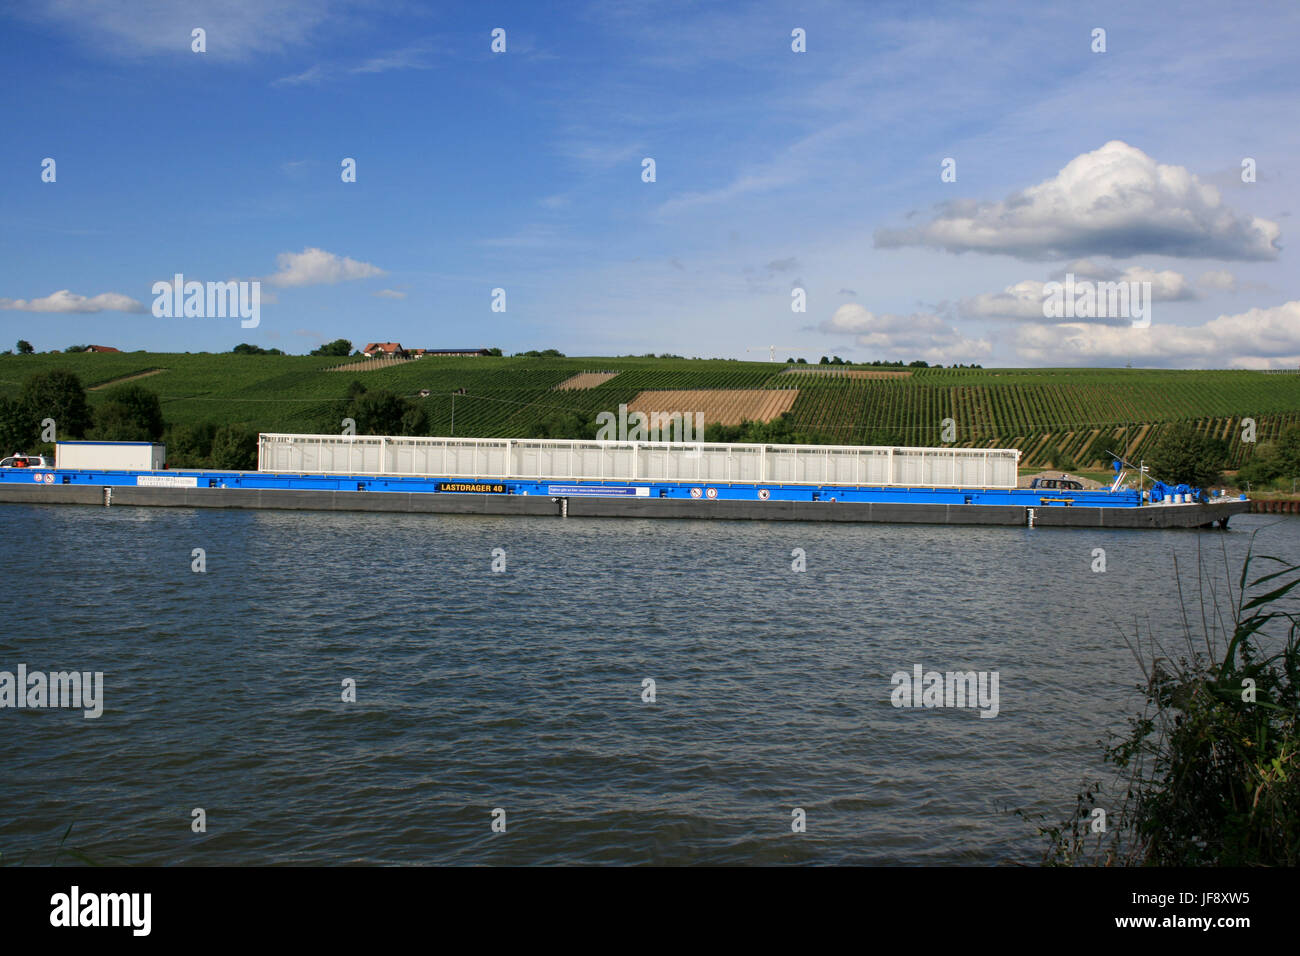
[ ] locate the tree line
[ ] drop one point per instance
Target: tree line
(129, 412)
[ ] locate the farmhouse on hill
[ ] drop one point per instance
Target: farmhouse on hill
(101, 348)
(384, 350)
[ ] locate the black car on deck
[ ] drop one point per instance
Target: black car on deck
(1056, 484)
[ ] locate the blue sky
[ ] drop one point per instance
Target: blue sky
(522, 170)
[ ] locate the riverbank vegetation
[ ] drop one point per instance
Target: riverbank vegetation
(1208, 773)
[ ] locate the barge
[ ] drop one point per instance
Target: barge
(543, 477)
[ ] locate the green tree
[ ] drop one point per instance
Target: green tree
(556, 353)
(338, 347)
(190, 446)
(1060, 460)
(415, 420)
(75, 348)
(16, 427)
(1288, 452)
(381, 412)
(25, 347)
(1181, 456)
(128, 413)
(1279, 459)
(779, 431)
(562, 424)
(234, 447)
(56, 394)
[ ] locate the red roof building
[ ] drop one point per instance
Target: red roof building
(384, 349)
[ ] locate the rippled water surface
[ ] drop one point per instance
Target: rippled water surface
(522, 690)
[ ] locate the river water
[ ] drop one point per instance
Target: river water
(525, 691)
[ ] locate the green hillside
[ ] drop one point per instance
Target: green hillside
(1083, 412)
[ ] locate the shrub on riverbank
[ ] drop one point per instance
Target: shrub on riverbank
(1209, 774)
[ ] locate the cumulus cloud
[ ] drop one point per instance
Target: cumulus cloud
(919, 335)
(1258, 338)
(1114, 201)
(318, 267)
(65, 301)
(1024, 300)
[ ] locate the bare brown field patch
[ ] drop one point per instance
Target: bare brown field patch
(720, 405)
(369, 365)
(125, 378)
(584, 380)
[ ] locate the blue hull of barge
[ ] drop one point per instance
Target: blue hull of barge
(566, 488)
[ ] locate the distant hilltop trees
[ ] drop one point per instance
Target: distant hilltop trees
(878, 363)
(339, 347)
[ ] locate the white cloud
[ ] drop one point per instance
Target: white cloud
(1024, 300)
(1166, 285)
(318, 267)
(1114, 201)
(313, 74)
(917, 336)
(411, 58)
(389, 294)
(65, 301)
(1258, 338)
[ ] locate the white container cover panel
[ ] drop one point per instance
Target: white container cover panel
(639, 461)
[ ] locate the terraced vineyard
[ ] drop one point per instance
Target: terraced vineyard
(1083, 412)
